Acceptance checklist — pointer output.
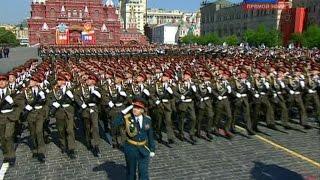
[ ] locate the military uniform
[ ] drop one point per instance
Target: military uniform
(89, 98)
(139, 145)
(186, 94)
(63, 110)
(8, 117)
(161, 109)
(35, 101)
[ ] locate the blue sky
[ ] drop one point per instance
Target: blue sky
(14, 11)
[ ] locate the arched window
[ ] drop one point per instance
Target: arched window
(74, 13)
(52, 12)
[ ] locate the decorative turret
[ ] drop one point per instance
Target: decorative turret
(109, 3)
(45, 27)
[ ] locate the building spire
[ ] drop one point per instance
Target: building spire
(109, 3)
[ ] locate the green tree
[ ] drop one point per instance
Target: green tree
(263, 36)
(232, 40)
(8, 37)
(311, 37)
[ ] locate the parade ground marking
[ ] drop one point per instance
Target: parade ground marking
(291, 152)
(3, 170)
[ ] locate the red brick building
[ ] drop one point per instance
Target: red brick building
(74, 22)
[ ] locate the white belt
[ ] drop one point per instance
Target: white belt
(296, 93)
(243, 95)
(6, 111)
(312, 91)
(65, 105)
(279, 92)
(91, 104)
(262, 93)
(118, 104)
(224, 97)
(165, 100)
(38, 107)
(206, 98)
(187, 100)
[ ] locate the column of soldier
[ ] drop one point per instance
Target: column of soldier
(203, 94)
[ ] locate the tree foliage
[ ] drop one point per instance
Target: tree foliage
(8, 37)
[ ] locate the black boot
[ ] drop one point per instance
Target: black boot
(209, 136)
(12, 162)
(96, 151)
(193, 139)
(41, 158)
(171, 141)
(72, 154)
(35, 155)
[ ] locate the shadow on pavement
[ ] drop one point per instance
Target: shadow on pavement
(113, 170)
(262, 171)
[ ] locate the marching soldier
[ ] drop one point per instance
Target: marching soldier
(115, 99)
(139, 145)
(161, 108)
(89, 97)
(186, 94)
(295, 86)
(241, 89)
(204, 105)
(8, 117)
(35, 101)
(63, 110)
(261, 103)
(221, 91)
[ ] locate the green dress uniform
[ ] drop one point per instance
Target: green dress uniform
(278, 100)
(89, 98)
(294, 89)
(115, 99)
(204, 108)
(241, 106)
(311, 97)
(8, 117)
(186, 94)
(261, 104)
(62, 107)
(35, 101)
(221, 91)
(161, 109)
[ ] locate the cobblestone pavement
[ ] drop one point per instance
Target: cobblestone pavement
(17, 57)
(240, 158)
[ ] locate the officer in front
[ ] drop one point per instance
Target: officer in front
(140, 144)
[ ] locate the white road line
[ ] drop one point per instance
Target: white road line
(4, 168)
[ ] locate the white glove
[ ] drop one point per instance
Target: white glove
(201, 99)
(229, 89)
(146, 92)
(220, 98)
(209, 89)
(84, 106)
(91, 111)
(310, 91)
(302, 83)
(291, 92)
(96, 93)
(111, 104)
(238, 95)
(158, 102)
(152, 154)
(126, 110)
(122, 93)
(56, 105)
(47, 91)
(248, 85)
(267, 85)
(274, 95)
(194, 88)
(256, 95)
(183, 97)
(169, 90)
(28, 107)
(9, 99)
(282, 84)
(69, 93)
(41, 93)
